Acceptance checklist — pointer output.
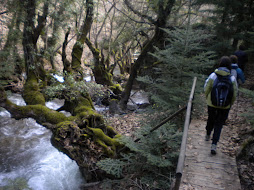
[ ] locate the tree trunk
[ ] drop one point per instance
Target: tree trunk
(31, 34)
(84, 137)
(9, 53)
(52, 41)
(101, 74)
(158, 38)
(77, 50)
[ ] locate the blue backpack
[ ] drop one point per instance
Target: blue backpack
(222, 91)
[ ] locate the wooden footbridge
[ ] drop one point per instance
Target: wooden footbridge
(197, 168)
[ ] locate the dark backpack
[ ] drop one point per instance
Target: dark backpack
(222, 91)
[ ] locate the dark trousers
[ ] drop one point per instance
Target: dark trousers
(216, 119)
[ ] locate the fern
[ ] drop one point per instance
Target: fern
(112, 166)
(153, 157)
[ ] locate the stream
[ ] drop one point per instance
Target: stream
(27, 158)
(28, 161)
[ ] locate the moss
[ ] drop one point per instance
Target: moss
(32, 95)
(43, 114)
(77, 50)
(64, 124)
(40, 113)
(97, 51)
(102, 76)
(111, 130)
(57, 139)
(86, 112)
(87, 109)
(116, 88)
(89, 112)
(79, 104)
(105, 141)
(91, 118)
(85, 101)
(33, 98)
(67, 129)
(107, 150)
(108, 76)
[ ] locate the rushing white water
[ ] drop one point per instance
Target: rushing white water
(27, 158)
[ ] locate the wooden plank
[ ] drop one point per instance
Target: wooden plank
(211, 182)
(205, 156)
(209, 170)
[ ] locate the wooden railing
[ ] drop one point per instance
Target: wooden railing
(180, 164)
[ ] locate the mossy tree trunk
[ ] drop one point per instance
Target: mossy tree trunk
(101, 73)
(77, 50)
(84, 137)
(31, 34)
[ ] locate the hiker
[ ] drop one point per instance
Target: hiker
(242, 57)
(217, 114)
(236, 71)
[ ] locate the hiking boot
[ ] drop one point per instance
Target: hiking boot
(207, 137)
(213, 149)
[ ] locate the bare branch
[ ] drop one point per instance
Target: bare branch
(104, 21)
(128, 4)
(41, 22)
(141, 22)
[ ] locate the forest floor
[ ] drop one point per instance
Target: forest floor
(236, 130)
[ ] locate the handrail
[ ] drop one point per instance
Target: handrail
(159, 125)
(164, 121)
(180, 164)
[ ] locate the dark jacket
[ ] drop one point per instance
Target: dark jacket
(242, 58)
(239, 73)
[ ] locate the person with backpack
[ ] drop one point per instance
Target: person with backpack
(220, 91)
(236, 71)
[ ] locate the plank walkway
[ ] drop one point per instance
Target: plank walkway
(204, 171)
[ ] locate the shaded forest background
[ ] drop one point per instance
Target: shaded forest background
(157, 46)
